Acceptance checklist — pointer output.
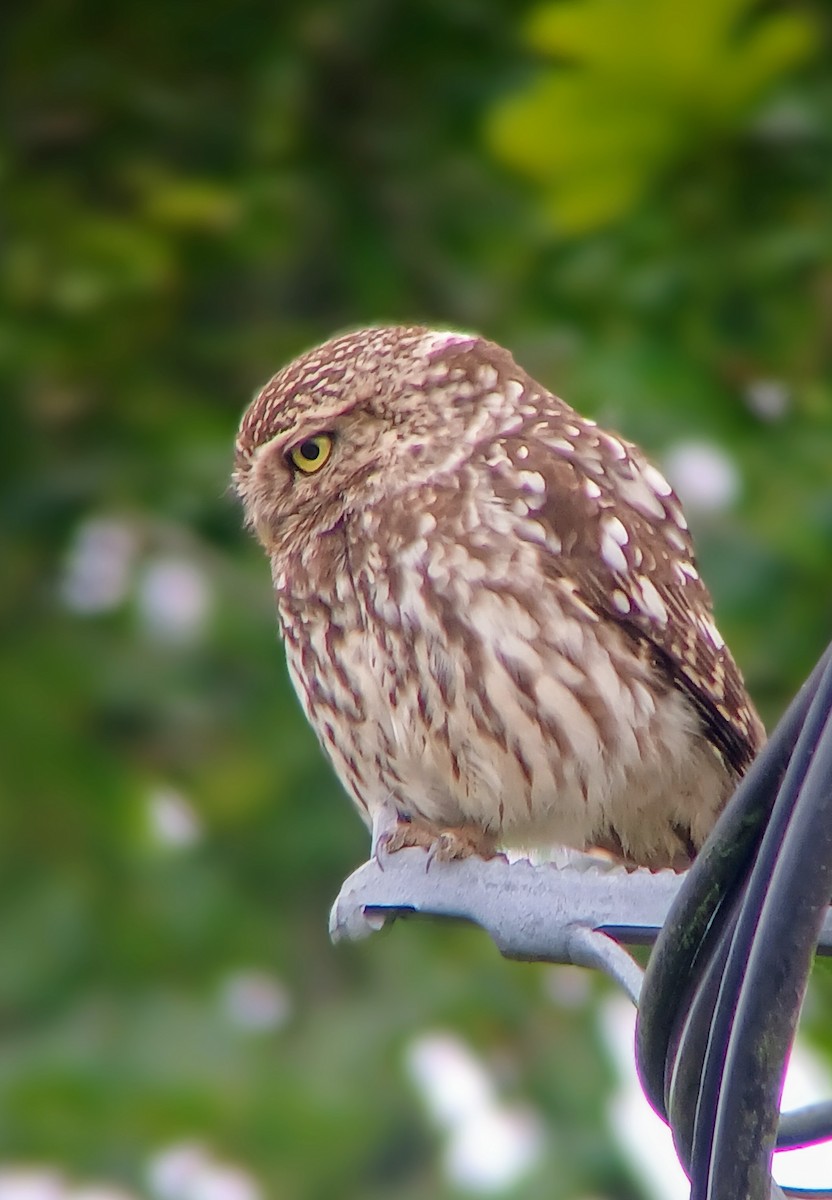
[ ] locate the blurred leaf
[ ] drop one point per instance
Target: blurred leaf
(637, 88)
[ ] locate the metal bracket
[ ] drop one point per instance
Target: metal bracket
(577, 913)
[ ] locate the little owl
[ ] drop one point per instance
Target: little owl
(491, 607)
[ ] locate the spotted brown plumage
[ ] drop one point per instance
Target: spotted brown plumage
(491, 607)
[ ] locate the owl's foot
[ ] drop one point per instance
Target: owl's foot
(443, 844)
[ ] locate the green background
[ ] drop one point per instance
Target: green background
(632, 195)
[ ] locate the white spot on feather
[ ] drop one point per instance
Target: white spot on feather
(493, 402)
(612, 553)
(559, 445)
(478, 422)
(621, 601)
(656, 480)
(685, 571)
(592, 489)
(441, 339)
(615, 528)
(675, 538)
(711, 633)
(532, 481)
(534, 531)
(497, 455)
(637, 493)
(614, 446)
(514, 390)
(653, 604)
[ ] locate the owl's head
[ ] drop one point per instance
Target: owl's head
(362, 417)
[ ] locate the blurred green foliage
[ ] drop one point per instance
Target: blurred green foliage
(631, 96)
(191, 195)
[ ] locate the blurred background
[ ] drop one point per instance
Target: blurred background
(636, 197)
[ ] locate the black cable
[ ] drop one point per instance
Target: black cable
(724, 987)
(744, 943)
(765, 1009)
(805, 1126)
(718, 871)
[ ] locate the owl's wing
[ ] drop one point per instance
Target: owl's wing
(617, 531)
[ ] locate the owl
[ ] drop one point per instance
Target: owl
(491, 608)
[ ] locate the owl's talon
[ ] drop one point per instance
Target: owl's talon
(442, 845)
(382, 848)
(454, 844)
(406, 835)
(386, 822)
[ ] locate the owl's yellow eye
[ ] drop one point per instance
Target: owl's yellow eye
(312, 453)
